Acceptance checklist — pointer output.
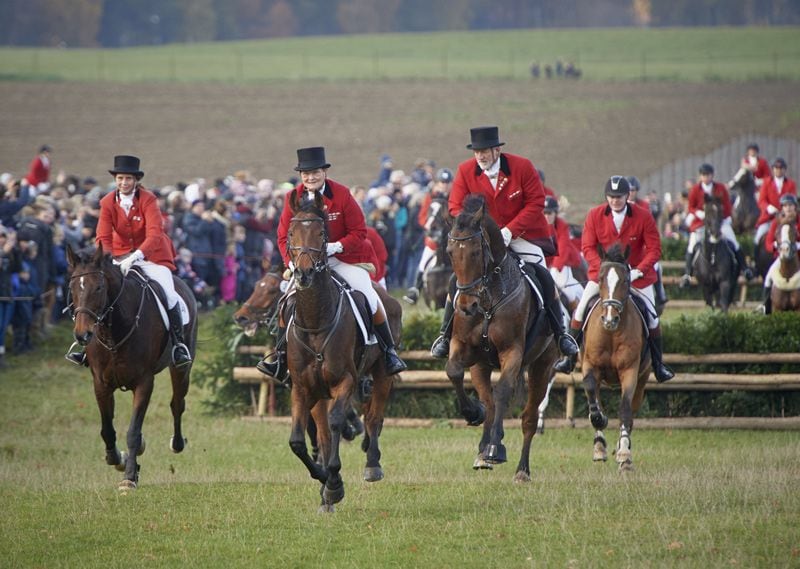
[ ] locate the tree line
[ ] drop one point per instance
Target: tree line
(125, 23)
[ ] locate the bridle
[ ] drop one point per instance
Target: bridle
(487, 259)
(321, 262)
(612, 303)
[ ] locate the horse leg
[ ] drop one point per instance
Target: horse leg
(311, 431)
(596, 415)
(333, 492)
(180, 387)
(510, 370)
(482, 381)
(543, 407)
(538, 391)
(136, 445)
(297, 438)
(373, 418)
(629, 386)
(105, 403)
(474, 412)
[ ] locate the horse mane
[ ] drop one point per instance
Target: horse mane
(615, 254)
(308, 205)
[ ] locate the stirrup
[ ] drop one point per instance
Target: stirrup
(441, 347)
(76, 358)
(566, 364)
(412, 295)
(277, 369)
(569, 341)
(181, 350)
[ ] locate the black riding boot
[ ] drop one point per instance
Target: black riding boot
(686, 279)
(77, 358)
(567, 363)
(180, 352)
(662, 372)
(393, 362)
(660, 293)
(278, 368)
(553, 310)
(747, 271)
(441, 345)
(412, 295)
(767, 304)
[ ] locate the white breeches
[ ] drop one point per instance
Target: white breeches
(593, 289)
(358, 279)
(727, 233)
(566, 283)
(761, 230)
(163, 276)
(527, 251)
(427, 255)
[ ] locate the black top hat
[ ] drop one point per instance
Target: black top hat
(311, 159)
(484, 137)
(45, 148)
(124, 164)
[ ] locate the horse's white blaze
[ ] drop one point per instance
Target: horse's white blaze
(81, 282)
(612, 280)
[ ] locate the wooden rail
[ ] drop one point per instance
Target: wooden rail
(437, 378)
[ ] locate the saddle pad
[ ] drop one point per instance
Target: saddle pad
(781, 283)
(158, 293)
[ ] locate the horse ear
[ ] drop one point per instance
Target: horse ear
(98, 254)
(627, 252)
(601, 252)
(318, 200)
(72, 259)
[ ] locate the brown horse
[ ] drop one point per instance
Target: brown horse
(127, 343)
(438, 272)
(495, 312)
(326, 357)
(786, 280)
(614, 343)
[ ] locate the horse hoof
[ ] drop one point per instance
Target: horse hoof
(622, 456)
(373, 473)
(481, 464)
(540, 429)
(142, 448)
(600, 454)
(476, 415)
(123, 458)
(334, 495)
(496, 454)
(522, 477)
(127, 485)
(177, 448)
(326, 509)
(626, 466)
(113, 458)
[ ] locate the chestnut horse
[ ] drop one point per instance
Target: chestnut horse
(127, 343)
(786, 279)
(496, 311)
(326, 357)
(614, 344)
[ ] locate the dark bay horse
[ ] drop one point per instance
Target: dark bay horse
(496, 311)
(745, 207)
(127, 343)
(436, 277)
(715, 263)
(614, 353)
(786, 280)
(326, 357)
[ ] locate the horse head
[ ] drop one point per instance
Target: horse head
(787, 236)
(712, 222)
(307, 239)
(260, 307)
(94, 278)
(476, 248)
(615, 284)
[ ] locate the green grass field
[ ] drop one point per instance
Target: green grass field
(237, 497)
(672, 54)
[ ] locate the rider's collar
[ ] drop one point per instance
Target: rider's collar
(628, 210)
(504, 167)
(326, 190)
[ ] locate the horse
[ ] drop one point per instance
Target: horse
(614, 353)
(324, 372)
(745, 207)
(496, 314)
(715, 263)
(785, 292)
(436, 277)
(119, 322)
(261, 310)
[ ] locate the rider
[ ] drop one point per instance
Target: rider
(788, 203)
(131, 228)
(568, 254)
(620, 222)
(696, 214)
(427, 213)
(769, 197)
(514, 198)
(658, 287)
(753, 163)
(346, 249)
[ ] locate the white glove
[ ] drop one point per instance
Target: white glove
(700, 214)
(333, 248)
(689, 220)
(771, 209)
(126, 264)
(636, 274)
(506, 232)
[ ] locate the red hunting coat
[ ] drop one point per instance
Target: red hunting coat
(516, 204)
(38, 172)
(639, 230)
(568, 253)
(769, 195)
(142, 228)
(346, 224)
(769, 243)
(697, 202)
(381, 254)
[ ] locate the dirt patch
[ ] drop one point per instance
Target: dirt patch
(578, 132)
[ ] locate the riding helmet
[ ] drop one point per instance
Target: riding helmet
(550, 204)
(779, 163)
(444, 175)
(788, 198)
(617, 186)
(633, 182)
(706, 168)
